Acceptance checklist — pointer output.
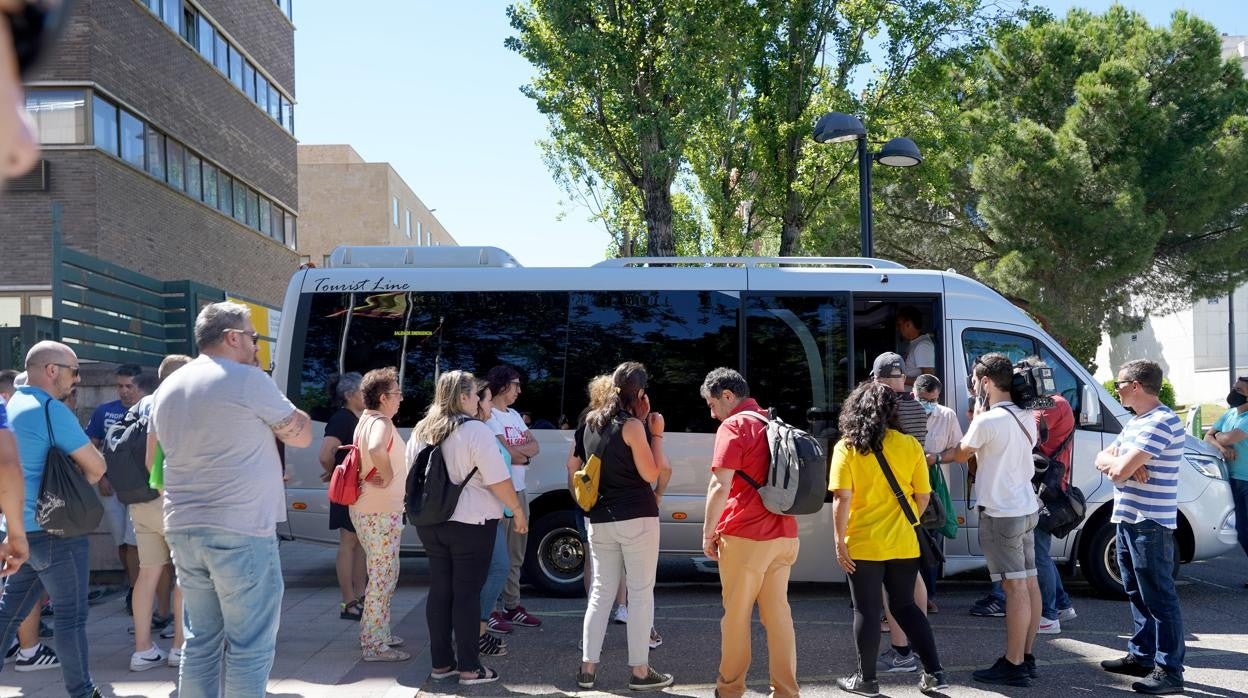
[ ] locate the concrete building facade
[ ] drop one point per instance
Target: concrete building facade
(344, 200)
(168, 149)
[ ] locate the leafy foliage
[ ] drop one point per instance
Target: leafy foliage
(1166, 394)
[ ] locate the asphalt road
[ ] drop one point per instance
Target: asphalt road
(1215, 606)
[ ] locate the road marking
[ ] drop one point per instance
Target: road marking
(1212, 584)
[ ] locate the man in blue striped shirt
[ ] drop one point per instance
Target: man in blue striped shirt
(1143, 463)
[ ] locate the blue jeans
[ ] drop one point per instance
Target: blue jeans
(1239, 493)
(1146, 558)
(496, 577)
(232, 593)
(1053, 596)
(60, 566)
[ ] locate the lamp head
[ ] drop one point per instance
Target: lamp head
(835, 127)
(899, 152)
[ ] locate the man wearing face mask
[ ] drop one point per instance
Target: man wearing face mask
(1230, 436)
(1001, 436)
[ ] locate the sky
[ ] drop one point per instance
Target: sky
(429, 87)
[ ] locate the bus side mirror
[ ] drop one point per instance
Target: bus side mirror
(1090, 407)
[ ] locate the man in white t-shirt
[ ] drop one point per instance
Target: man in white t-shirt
(1001, 437)
(514, 435)
(920, 356)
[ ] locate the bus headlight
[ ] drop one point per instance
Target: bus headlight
(1206, 465)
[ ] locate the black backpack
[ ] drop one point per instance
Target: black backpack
(431, 496)
(67, 505)
(125, 454)
(797, 479)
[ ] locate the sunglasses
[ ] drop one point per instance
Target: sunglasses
(1118, 384)
(74, 370)
(35, 27)
(255, 336)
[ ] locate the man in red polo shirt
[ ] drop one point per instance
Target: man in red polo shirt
(755, 548)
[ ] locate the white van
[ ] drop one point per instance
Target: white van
(803, 331)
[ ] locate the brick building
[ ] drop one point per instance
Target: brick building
(167, 129)
(344, 200)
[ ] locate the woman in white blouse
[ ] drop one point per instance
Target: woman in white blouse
(459, 550)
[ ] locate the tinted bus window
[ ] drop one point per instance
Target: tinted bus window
(678, 335)
(425, 334)
(797, 352)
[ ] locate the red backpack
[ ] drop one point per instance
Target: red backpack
(344, 484)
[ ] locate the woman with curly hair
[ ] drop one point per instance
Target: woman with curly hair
(875, 543)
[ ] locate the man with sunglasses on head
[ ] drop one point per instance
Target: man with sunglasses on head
(1143, 463)
(216, 419)
(58, 564)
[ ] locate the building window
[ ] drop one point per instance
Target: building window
(156, 153)
(325, 260)
(133, 140)
(262, 93)
(419, 236)
(207, 37)
(104, 125)
(288, 115)
(193, 179)
(60, 116)
(10, 311)
(39, 305)
(408, 226)
(277, 227)
(266, 215)
(290, 239)
(210, 185)
(240, 202)
(172, 15)
(394, 211)
(221, 56)
(190, 25)
(175, 156)
(236, 67)
(253, 209)
(249, 80)
(225, 194)
(274, 108)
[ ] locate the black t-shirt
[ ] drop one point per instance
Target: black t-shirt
(341, 426)
(622, 493)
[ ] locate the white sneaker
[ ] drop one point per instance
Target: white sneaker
(621, 614)
(175, 657)
(1067, 614)
(142, 661)
(1049, 627)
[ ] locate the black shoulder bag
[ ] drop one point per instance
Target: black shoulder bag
(431, 493)
(68, 505)
(929, 551)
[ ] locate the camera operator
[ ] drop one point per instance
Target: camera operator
(1056, 425)
(1001, 436)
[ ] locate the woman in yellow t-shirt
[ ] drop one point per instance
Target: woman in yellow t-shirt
(875, 543)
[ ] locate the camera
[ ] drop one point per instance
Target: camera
(1033, 387)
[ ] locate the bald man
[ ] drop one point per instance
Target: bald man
(58, 564)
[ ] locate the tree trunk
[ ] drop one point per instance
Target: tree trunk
(656, 193)
(793, 222)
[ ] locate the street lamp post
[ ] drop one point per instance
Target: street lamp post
(836, 127)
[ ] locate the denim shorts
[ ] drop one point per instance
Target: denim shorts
(1009, 545)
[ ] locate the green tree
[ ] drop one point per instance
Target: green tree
(1090, 170)
(625, 81)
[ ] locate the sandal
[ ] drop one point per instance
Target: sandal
(483, 675)
(389, 655)
(444, 674)
(395, 641)
(351, 610)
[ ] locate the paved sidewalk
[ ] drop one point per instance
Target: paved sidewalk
(318, 654)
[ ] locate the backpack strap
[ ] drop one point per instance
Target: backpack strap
(1020, 425)
(765, 420)
(897, 493)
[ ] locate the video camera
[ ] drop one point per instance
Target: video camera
(1033, 387)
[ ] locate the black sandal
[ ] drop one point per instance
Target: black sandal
(483, 675)
(351, 610)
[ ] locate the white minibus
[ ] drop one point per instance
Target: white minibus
(803, 332)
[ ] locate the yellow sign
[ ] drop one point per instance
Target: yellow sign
(266, 321)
